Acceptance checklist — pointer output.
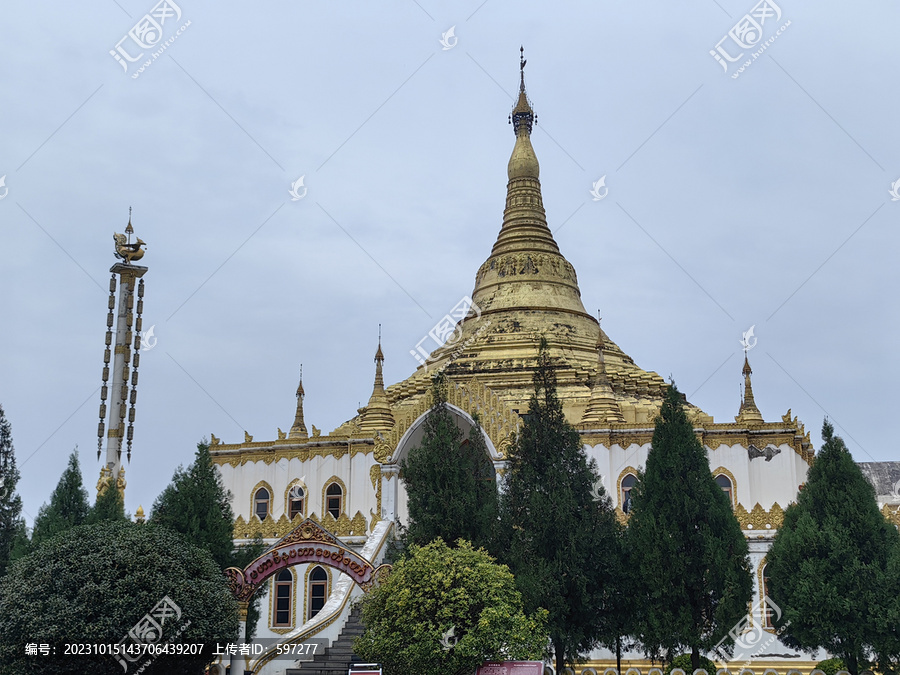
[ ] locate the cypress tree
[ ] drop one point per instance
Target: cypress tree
(68, 505)
(559, 536)
(449, 480)
(834, 565)
(197, 505)
(11, 523)
(692, 559)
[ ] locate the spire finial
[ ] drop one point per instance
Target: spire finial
(522, 116)
(748, 411)
(129, 230)
(298, 428)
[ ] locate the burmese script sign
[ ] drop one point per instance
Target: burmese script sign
(511, 668)
(244, 582)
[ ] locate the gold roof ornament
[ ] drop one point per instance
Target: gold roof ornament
(125, 250)
(377, 414)
(748, 413)
(298, 430)
(139, 515)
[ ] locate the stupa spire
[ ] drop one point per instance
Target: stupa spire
(602, 409)
(377, 416)
(748, 411)
(298, 430)
(525, 252)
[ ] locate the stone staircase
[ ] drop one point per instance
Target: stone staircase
(336, 659)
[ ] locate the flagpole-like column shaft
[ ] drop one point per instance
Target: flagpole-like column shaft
(121, 364)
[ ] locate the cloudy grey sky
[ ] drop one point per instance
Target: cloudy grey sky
(758, 200)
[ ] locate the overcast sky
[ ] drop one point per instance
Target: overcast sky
(757, 200)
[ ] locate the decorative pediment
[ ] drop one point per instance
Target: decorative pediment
(497, 420)
(308, 530)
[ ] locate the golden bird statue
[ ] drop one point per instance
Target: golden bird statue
(127, 251)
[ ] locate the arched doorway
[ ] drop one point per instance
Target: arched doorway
(394, 500)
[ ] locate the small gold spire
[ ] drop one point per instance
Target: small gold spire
(603, 408)
(139, 515)
(377, 414)
(298, 430)
(748, 412)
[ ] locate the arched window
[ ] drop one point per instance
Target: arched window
(284, 592)
(628, 482)
(318, 590)
(767, 610)
(296, 497)
(724, 482)
(334, 497)
(261, 503)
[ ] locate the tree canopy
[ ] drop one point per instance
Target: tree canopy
(196, 504)
(559, 525)
(444, 611)
(110, 505)
(693, 565)
(449, 480)
(12, 526)
(68, 505)
(834, 567)
(95, 583)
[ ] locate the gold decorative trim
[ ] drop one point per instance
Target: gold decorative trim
(306, 589)
(261, 484)
(281, 630)
(759, 518)
(722, 471)
(892, 513)
(344, 494)
(375, 476)
(271, 451)
(762, 594)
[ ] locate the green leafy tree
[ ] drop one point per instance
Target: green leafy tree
(93, 583)
(197, 505)
(832, 567)
(12, 525)
(693, 562)
(444, 611)
(683, 661)
(110, 505)
(559, 526)
(449, 480)
(68, 505)
(831, 666)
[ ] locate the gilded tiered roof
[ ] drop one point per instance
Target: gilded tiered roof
(525, 290)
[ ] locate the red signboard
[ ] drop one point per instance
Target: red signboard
(511, 668)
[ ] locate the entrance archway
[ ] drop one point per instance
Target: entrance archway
(309, 542)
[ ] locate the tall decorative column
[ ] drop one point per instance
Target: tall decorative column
(122, 349)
